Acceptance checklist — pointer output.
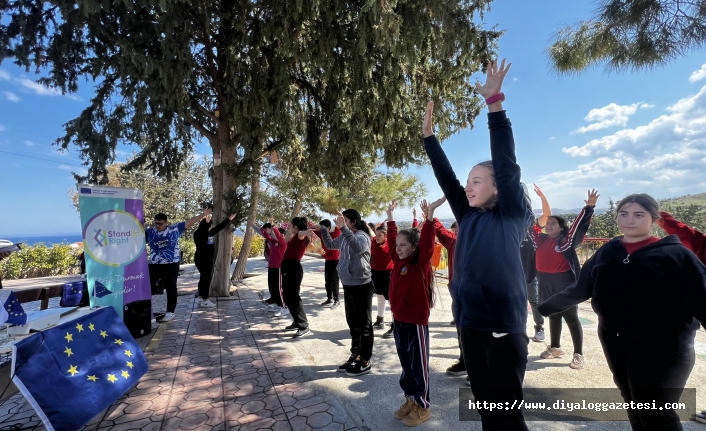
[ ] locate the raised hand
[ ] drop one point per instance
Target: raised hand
(390, 210)
(427, 126)
(537, 190)
(414, 212)
(494, 80)
(424, 206)
(340, 221)
(437, 203)
(232, 216)
(592, 198)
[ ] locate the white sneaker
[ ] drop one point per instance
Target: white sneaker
(207, 303)
(167, 317)
(273, 307)
(282, 312)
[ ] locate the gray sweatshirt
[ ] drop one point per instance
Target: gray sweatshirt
(354, 262)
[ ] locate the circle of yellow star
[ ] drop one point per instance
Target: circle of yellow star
(73, 370)
(125, 374)
(129, 364)
(112, 378)
(104, 334)
(69, 337)
(68, 352)
(79, 327)
(92, 378)
(119, 342)
(128, 353)
(91, 327)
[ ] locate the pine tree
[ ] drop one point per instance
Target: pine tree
(631, 34)
(333, 81)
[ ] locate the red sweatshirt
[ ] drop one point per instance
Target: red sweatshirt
(691, 238)
(278, 245)
(380, 256)
(409, 283)
(448, 239)
(330, 254)
(295, 248)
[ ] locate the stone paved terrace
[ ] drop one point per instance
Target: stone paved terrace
(233, 368)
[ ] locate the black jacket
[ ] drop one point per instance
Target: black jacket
(654, 294)
(204, 250)
(574, 238)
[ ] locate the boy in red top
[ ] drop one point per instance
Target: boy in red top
(330, 272)
(277, 246)
(411, 299)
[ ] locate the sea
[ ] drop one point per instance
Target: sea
(47, 239)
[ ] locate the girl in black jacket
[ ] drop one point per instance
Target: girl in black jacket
(631, 279)
(203, 258)
(557, 267)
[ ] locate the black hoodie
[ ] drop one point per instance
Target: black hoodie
(656, 293)
(203, 238)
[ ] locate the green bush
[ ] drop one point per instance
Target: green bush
(257, 248)
(41, 261)
(188, 250)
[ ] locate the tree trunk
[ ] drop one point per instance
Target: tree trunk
(239, 270)
(297, 208)
(222, 184)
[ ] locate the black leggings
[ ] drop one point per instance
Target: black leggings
(292, 275)
(205, 268)
(572, 321)
(551, 284)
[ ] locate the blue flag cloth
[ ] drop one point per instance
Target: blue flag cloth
(100, 289)
(15, 313)
(74, 371)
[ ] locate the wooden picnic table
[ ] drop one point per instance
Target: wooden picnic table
(38, 289)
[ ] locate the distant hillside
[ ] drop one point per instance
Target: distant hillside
(697, 199)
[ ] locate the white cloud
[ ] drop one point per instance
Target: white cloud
(666, 158)
(515, 79)
(12, 97)
(2, 127)
(41, 90)
(609, 116)
(4, 76)
(66, 168)
(30, 143)
(552, 138)
(698, 75)
(686, 122)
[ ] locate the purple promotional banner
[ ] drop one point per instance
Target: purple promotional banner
(114, 245)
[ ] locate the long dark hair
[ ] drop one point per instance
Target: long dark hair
(646, 201)
(357, 220)
(412, 236)
(563, 225)
(300, 223)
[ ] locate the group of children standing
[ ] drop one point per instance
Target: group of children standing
(500, 257)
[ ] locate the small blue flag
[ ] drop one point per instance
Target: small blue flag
(15, 313)
(100, 289)
(72, 372)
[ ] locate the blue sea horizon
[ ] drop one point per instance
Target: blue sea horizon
(51, 239)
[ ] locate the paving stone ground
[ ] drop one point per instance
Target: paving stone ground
(233, 368)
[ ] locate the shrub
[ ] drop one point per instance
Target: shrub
(188, 250)
(257, 248)
(41, 261)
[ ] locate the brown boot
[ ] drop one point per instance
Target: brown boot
(417, 416)
(404, 408)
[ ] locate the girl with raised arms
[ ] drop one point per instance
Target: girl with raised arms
(488, 288)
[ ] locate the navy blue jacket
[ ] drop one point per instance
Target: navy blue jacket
(488, 287)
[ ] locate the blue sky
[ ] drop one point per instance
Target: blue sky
(617, 132)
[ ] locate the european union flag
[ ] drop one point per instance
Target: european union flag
(100, 289)
(15, 313)
(74, 371)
